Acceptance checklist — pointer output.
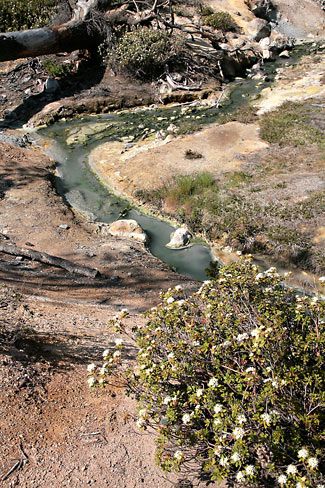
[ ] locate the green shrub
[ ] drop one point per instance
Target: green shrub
(18, 15)
(144, 51)
(57, 70)
(221, 21)
(232, 379)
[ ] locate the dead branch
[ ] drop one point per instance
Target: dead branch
(180, 86)
(18, 465)
(45, 258)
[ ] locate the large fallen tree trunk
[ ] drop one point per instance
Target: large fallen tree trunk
(47, 40)
(86, 30)
(45, 258)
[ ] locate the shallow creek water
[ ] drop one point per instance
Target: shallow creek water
(70, 142)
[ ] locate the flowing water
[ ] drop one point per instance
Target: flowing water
(72, 141)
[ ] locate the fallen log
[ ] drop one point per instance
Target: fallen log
(45, 258)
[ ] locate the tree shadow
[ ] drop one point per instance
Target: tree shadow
(90, 73)
(61, 351)
(14, 175)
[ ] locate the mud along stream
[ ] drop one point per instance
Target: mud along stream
(71, 142)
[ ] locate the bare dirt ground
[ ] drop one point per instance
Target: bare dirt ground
(58, 326)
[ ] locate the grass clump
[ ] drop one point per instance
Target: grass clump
(189, 154)
(291, 125)
(17, 15)
(246, 115)
(186, 187)
(187, 127)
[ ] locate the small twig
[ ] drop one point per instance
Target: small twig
(219, 99)
(90, 433)
(18, 465)
(23, 453)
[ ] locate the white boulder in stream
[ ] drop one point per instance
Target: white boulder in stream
(128, 228)
(180, 238)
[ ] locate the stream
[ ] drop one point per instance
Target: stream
(70, 142)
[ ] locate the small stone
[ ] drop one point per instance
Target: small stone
(127, 228)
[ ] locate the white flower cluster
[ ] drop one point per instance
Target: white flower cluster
(282, 479)
(218, 408)
(186, 419)
(291, 469)
(242, 337)
(179, 455)
(266, 417)
(213, 382)
(241, 419)
(238, 433)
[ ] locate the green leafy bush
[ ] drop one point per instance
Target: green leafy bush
(18, 15)
(144, 51)
(57, 70)
(232, 379)
(220, 20)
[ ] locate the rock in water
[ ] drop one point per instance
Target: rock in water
(180, 238)
(127, 228)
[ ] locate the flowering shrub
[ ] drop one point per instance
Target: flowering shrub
(232, 379)
(144, 51)
(25, 14)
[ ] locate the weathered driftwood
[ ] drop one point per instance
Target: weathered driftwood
(89, 26)
(83, 31)
(179, 86)
(45, 258)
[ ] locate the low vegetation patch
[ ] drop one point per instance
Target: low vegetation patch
(291, 125)
(57, 70)
(189, 154)
(18, 15)
(143, 52)
(231, 380)
(221, 21)
(231, 212)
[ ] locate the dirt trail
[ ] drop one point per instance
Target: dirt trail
(55, 329)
